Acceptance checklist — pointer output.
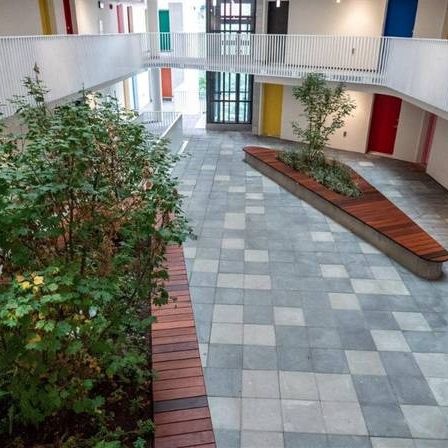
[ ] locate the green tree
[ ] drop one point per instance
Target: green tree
(87, 208)
(325, 111)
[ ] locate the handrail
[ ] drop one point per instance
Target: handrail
(416, 68)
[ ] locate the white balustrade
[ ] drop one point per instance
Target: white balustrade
(417, 68)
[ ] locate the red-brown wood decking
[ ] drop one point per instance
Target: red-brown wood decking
(181, 412)
(372, 208)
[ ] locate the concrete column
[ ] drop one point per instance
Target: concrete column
(152, 16)
(155, 83)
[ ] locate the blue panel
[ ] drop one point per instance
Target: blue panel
(400, 18)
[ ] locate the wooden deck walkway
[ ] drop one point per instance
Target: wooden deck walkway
(181, 412)
(371, 208)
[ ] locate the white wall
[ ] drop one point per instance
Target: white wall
(438, 159)
(88, 16)
(20, 18)
(430, 18)
(409, 133)
(356, 126)
(349, 17)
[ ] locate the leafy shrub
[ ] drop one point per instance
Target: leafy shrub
(330, 173)
(87, 207)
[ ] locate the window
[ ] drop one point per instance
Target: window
(229, 95)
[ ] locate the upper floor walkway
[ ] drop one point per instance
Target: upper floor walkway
(412, 68)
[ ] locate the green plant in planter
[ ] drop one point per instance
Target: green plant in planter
(87, 208)
(325, 111)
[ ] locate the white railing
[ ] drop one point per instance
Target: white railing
(157, 122)
(414, 67)
(68, 63)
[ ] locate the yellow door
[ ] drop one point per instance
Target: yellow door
(272, 109)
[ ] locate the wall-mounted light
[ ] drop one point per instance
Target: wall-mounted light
(338, 1)
(278, 3)
(101, 5)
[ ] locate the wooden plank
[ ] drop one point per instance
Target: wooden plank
(372, 208)
(181, 411)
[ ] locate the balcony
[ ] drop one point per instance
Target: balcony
(414, 68)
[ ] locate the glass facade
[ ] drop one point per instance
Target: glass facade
(229, 95)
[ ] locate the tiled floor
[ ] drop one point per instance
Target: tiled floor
(311, 337)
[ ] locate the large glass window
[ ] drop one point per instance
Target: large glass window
(229, 95)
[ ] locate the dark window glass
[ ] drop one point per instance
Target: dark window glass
(229, 95)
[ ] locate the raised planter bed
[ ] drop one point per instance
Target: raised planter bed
(372, 216)
(181, 412)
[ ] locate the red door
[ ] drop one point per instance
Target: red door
(68, 17)
(384, 123)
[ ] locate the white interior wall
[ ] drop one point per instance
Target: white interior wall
(409, 132)
(20, 18)
(88, 16)
(430, 18)
(438, 159)
(356, 126)
(349, 17)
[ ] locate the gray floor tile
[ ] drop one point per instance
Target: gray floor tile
(426, 422)
(295, 440)
(254, 314)
(385, 420)
(261, 414)
(344, 418)
(288, 336)
(302, 416)
(260, 439)
(225, 356)
(373, 389)
(329, 361)
(400, 364)
(321, 337)
(261, 384)
(412, 390)
(290, 358)
(259, 357)
(226, 438)
(223, 382)
(298, 386)
(338, 441)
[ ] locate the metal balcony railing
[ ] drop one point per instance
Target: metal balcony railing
(417, 68)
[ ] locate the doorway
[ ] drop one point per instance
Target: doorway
(384, 123)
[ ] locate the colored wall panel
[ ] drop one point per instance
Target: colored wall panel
(272, 109)
(120, 18)
(400, 18)
(45, 17)
(384, 123)
(68, 17)
(164, 27)
(167, 85)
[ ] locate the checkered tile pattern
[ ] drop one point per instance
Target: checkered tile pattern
(309, 336)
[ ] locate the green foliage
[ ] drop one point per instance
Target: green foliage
(330, 173)
(87, 207)
(325, 110)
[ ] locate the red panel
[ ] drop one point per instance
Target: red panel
(384, 123)
(432, 121)
(120, 18)
(167, 86)
(68, 17)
